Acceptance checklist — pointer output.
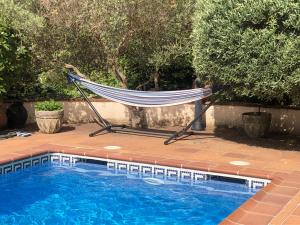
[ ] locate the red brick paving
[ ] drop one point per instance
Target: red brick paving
(276, 204)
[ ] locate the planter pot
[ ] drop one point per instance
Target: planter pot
(3, 117)
(16, 115)
(49, 122)
(256, 124)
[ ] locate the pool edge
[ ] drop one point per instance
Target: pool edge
(243, 215)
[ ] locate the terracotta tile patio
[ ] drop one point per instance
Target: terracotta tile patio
(277, 159)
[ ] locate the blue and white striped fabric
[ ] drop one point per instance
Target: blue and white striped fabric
(143, 98)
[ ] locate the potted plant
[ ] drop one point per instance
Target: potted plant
(49, 116)
(256, 124)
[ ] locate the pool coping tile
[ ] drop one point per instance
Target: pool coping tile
(292, 220)
(244, 217)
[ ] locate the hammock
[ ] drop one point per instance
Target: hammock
(142, 98)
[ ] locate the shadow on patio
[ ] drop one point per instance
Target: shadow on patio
(274, 141)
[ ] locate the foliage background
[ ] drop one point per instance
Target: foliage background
(251, 48)
(248, 49)
(17, 23)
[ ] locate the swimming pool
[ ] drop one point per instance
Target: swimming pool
(88, 193)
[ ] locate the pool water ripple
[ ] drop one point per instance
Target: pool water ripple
(89, 194)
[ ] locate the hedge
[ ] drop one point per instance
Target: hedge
(250, 48)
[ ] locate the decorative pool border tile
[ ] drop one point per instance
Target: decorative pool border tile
(24, 163)
(131, 168)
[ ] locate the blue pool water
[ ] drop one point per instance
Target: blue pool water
(90, 194)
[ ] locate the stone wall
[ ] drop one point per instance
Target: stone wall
(284, 120)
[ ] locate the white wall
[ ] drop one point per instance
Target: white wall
(284, 120)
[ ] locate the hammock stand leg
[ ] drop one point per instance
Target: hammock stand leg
(99, 131)
(101, 121)
(185, 129)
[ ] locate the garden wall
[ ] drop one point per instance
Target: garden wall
(283, 119)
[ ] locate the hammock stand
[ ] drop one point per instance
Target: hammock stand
(112, 128)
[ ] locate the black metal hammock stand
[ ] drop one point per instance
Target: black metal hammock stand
(140, 99)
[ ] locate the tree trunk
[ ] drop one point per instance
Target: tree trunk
(120, 75)
(156, 81)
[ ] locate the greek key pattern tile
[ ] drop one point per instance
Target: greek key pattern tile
(131, 168)
(177, 174)
(24, 163)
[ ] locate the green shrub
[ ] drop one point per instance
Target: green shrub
(14, 61)
(48, 106)
(17, 25)
(251, 47)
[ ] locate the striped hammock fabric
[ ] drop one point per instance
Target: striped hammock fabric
(142, 98)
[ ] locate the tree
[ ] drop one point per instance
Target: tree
(125, 35)
(170, 50)
(16, 23)
(252, 47)
(132, 40)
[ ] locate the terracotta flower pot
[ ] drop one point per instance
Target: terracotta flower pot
(49, 122)
(256, 124)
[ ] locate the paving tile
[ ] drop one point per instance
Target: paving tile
(204, 166)
(249, 218)
(17, 157)
(290, 183)
(260, 207)
(119, 156)
(187, 150)
(277, 180)
(236, 155)
(6, 159)
(296, 212)
(296, 172)
(292, 220)
(267, 209)
(236, 215)
(144, 159)
(249, 204)
(279, 175)
(271, 198)
(282, 190)
(260, 173)
(172, 162)
(255, 219)
(100, 154)
(228, 222)
(287, 210)
(228, 169)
